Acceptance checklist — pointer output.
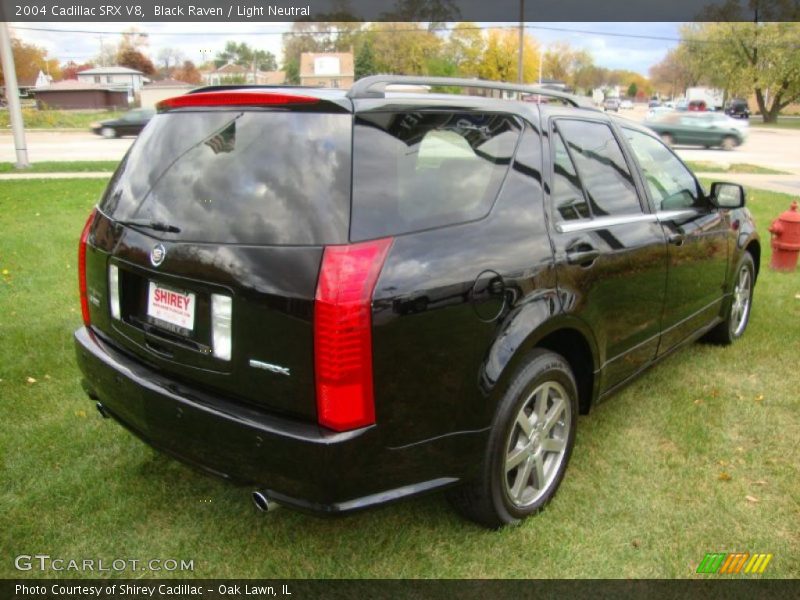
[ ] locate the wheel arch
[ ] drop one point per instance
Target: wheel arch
(754, 248)
(565, 335)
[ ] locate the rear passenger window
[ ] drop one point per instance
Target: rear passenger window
(567, 195)
(414, 171)
(601, 167)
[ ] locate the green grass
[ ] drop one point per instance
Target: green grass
(701, 166)
(73, 166)
(59, 119)
(661, 473)
(782, 123)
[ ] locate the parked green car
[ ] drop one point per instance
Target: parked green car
(698, 129)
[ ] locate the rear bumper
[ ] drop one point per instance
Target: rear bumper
(295, 463)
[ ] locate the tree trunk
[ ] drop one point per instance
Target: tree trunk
(762, 106)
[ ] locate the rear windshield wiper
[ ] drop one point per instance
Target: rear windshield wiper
(148, 224)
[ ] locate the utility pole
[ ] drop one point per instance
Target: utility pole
(521, 40)
(12, 97)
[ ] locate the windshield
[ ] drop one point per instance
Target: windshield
(248, 177)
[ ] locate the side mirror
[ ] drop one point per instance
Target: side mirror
(727, 195)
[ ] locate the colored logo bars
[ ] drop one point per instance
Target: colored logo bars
(734, 563)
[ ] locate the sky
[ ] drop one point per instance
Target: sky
(606, 42)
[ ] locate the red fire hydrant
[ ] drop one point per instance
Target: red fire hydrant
(785, 232)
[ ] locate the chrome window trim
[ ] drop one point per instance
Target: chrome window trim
(603, 222)
(672, 215)
(606, 222)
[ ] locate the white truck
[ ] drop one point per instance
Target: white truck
(713, 98)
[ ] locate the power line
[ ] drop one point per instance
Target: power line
(347, 31)
(613, 34)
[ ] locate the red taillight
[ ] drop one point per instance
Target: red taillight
(343, 333)
(82, 268)
(242, 98)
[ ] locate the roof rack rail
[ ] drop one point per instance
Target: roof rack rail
(374, 86)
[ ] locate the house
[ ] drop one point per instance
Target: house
(74, 94)
(120, 77)
(231, 73)
(328, 69)
(155, 92)
(27, 86)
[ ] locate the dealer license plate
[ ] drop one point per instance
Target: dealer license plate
(171, 306)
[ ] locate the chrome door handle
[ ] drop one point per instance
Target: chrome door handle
(582, 257)
(676, 239)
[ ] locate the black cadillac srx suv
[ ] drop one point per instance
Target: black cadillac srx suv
(347, 298)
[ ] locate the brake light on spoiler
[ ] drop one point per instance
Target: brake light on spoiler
(343, 333)
(233, 98)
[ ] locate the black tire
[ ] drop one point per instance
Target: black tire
(109, 133)
(544, 376)
(734, 325)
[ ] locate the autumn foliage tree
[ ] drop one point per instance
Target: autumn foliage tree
(500, 58)
(134, 59)
(187, 73)
(29, 59)
(71, 69)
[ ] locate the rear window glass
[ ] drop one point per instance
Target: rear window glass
(248, 177)
(420, 170)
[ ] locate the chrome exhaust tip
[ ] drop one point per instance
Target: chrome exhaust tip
(102, 410)
(263, 502)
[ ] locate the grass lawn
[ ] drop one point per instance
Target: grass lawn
(59, 119)
(73, 166)
(699, 455)
(702, 166)
(782, 123)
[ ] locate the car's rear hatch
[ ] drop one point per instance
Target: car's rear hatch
(216, 221)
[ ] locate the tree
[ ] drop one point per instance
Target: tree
(499, 61)
(565, 63)
(188, 73)
(742, 57)
(29, 60)
(465, 48)
(133, 59)
(365, 61)
(589, 77)
(71, 69)
(133, 39)
(242, 54)
(403, 48)
(633, 89)
(170, 58)
(680, 69)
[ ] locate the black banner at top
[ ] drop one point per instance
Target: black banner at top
(257, 11)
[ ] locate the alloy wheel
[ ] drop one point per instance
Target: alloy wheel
(740, 309)
(537, 444)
